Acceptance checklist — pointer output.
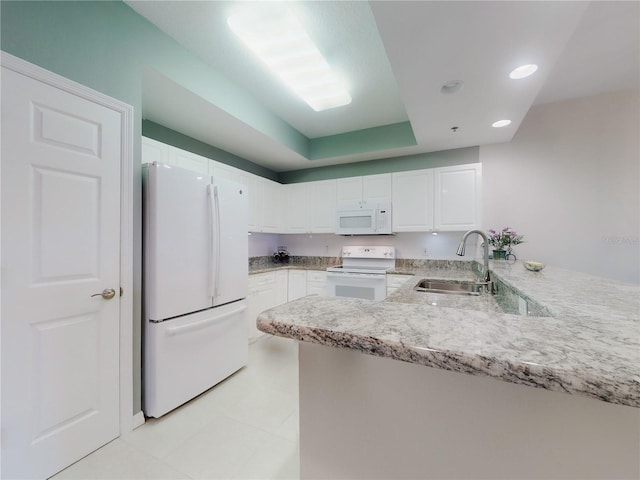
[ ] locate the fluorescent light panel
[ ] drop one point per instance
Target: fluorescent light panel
(279, 40)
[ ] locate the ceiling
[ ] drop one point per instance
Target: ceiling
(396, 56)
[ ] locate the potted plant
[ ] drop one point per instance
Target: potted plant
(503, 241)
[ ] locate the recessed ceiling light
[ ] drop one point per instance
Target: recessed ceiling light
(523, 71)
(501, 123)
(280, 41)
(452, 86)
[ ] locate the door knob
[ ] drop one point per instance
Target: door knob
(107, 294)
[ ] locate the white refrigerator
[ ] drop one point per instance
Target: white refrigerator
(195, 267)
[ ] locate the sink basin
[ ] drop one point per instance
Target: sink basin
(457, 287)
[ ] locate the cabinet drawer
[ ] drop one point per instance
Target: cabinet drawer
(395, 281)
(260, 279)
(316, 276)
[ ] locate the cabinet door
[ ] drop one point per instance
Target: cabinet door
(222, 170)
(261, 296)
(412, 201)
(317, 283)
(154, 151)
(296, 208)
(255, 188)
(349, 190)
(190, 161)
(273, 207)
(376, 188)
(322, 206)
(458, 194)
(297, 284)
(282, 286)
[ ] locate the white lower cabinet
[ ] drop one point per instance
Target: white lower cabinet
(316, 282)
(394, 282)
(262, 294)
(297, 287)
(282, 287)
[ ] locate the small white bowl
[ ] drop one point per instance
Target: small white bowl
(533, 266)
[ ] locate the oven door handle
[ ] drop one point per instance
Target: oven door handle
(379, 276)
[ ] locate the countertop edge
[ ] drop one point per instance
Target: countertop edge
(603, 388)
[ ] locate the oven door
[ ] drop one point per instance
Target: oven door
(370, 286)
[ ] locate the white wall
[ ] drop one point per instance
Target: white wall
(570, 182)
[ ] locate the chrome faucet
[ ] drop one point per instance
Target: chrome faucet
(460, 250)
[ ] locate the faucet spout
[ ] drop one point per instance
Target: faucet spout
(485, 238)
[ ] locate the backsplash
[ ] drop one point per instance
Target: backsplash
(408, 245)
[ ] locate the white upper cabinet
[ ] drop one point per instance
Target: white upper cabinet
(154, 151)
(437, 199)
(376, 188)
(272, 207)
(311, 207)
(322, 206)
(296, 208)
(457, 197)
(413, 201)
(370, 189)
(188, 160)
(256, 202)
(217, 169)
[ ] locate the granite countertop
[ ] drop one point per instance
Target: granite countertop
(266, 263)
(586, 342)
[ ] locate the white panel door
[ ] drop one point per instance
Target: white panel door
(61, 159)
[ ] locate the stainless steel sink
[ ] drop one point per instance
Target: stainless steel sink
(456, 287)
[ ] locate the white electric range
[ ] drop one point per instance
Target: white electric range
(363, 273)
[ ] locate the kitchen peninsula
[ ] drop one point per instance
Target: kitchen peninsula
(404, 388)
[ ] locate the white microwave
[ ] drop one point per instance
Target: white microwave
(363, 219)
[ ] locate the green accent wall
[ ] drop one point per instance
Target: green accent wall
(177, 139)
(444, 158)
(361, 141)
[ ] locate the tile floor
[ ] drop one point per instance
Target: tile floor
(244, 428)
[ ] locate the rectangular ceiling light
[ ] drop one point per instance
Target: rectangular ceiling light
(279, 40)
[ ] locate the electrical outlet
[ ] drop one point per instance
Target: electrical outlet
(424, 252)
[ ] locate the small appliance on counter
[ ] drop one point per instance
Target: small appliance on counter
(281, 256)
(363, 273)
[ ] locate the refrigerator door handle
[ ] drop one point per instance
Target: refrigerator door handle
(190, 327)
(218, 241)
(212, 241)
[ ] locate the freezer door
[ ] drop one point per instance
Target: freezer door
(177, 241)
(187, 355)
(231, 243)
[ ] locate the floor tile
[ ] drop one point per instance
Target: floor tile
(246, 427)
(119, 460)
